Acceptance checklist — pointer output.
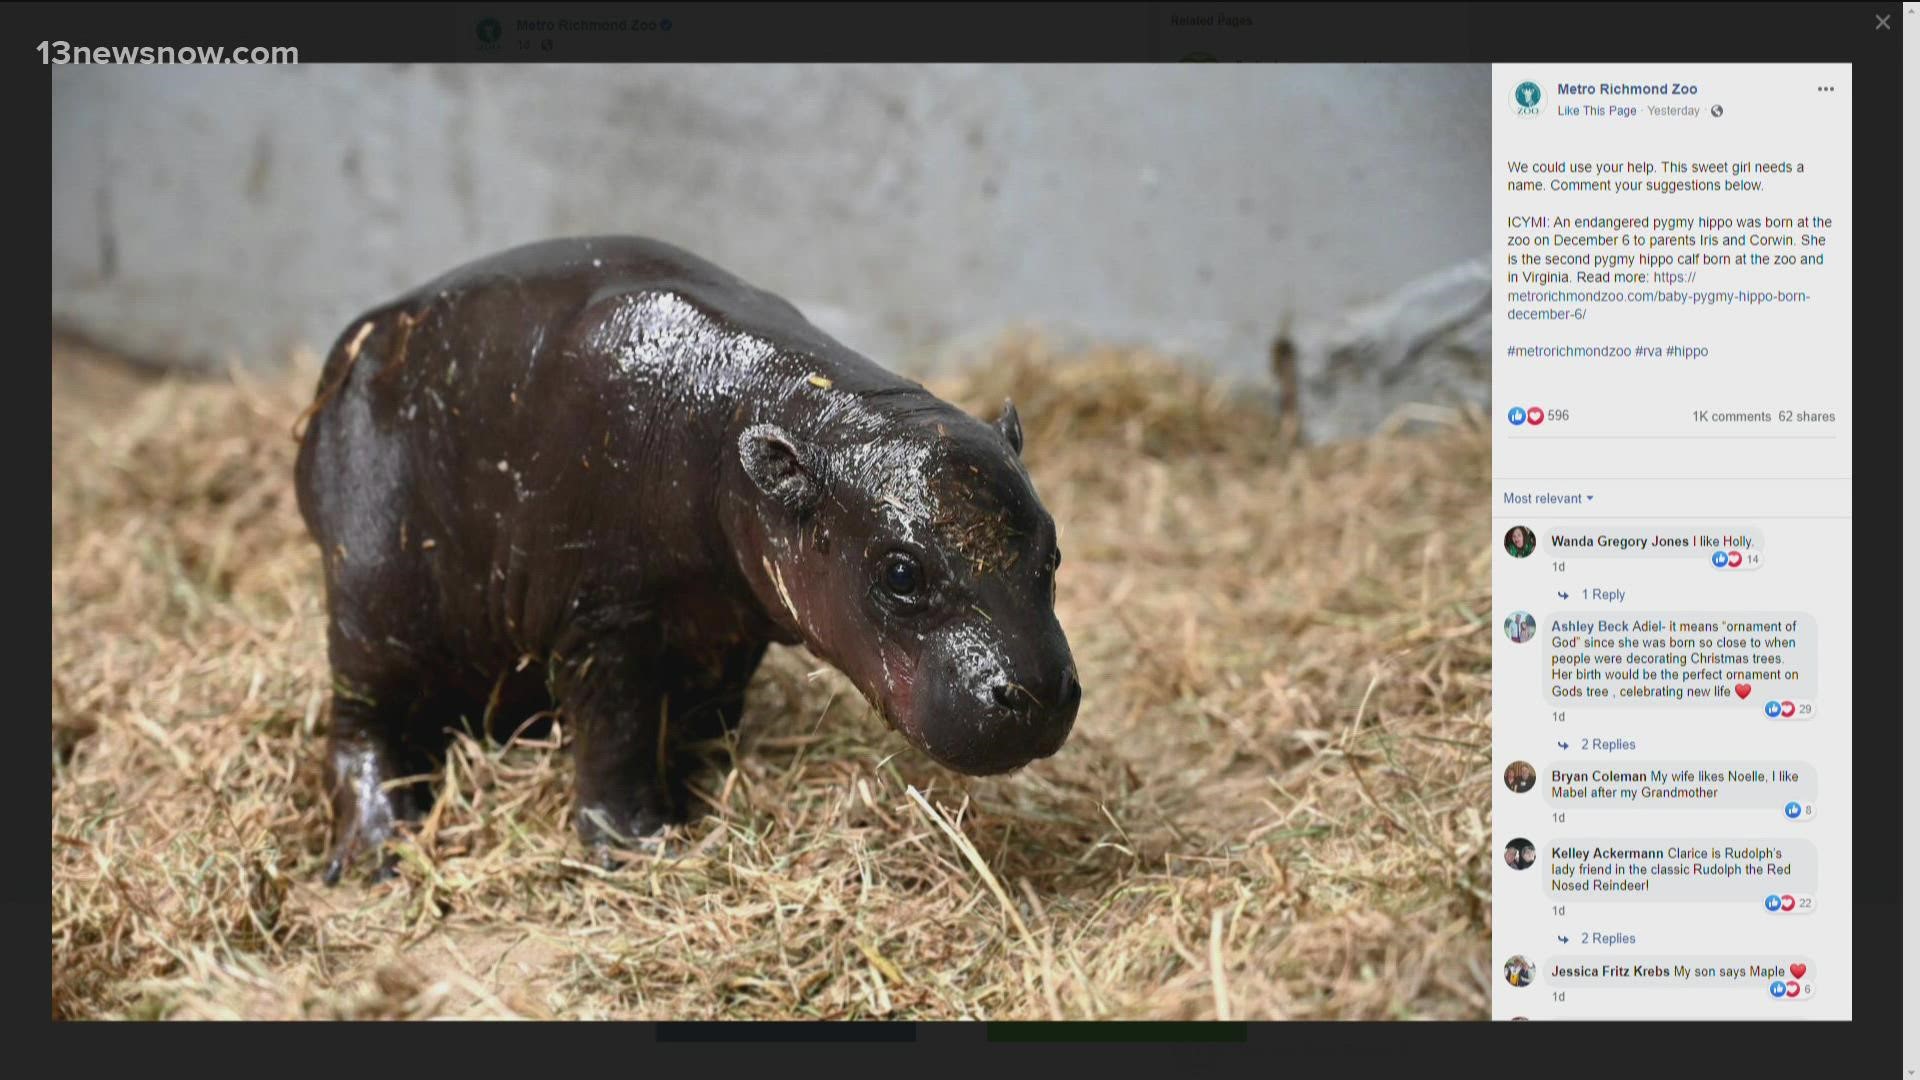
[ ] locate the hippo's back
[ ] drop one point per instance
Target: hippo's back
(555, 281)
(531, 424)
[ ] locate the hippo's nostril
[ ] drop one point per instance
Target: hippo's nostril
(1008, 696)
(1063, 699)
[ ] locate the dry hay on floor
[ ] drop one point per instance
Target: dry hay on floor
(1274, 804)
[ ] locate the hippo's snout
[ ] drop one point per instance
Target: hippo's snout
(1000, 727)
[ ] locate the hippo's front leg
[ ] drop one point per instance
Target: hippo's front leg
(617, 698)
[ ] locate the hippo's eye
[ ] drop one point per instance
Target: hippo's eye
(902, 576)
(1054, 562)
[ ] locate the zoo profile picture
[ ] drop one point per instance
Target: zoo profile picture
(1520, 777)
(1520, 627)
(1519, 541)
(1519, 972)
(1526, 98)
(1520, 853)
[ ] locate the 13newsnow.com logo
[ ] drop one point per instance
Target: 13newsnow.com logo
(1526, 98)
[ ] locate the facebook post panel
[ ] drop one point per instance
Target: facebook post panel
(1673, 700)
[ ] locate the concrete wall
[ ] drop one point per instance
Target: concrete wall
(206, 215)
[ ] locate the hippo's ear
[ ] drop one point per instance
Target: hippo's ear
(1009, 425)
(780, 467)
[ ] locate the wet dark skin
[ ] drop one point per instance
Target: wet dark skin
(594, 478)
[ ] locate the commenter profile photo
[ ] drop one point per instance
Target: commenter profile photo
(1520, 777)
(1520, 627)
(1520, 853)
(1520, 541)
(1519, 972)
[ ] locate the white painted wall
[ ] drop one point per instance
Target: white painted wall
(205, 215)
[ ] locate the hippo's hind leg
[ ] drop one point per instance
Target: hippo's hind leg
(355, 492)
(390, 721)
(632, 707)
(372, 749)
(363, 764)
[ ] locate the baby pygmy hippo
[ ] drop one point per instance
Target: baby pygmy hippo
(597, 476)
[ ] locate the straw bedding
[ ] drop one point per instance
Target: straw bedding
(1274, 804)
